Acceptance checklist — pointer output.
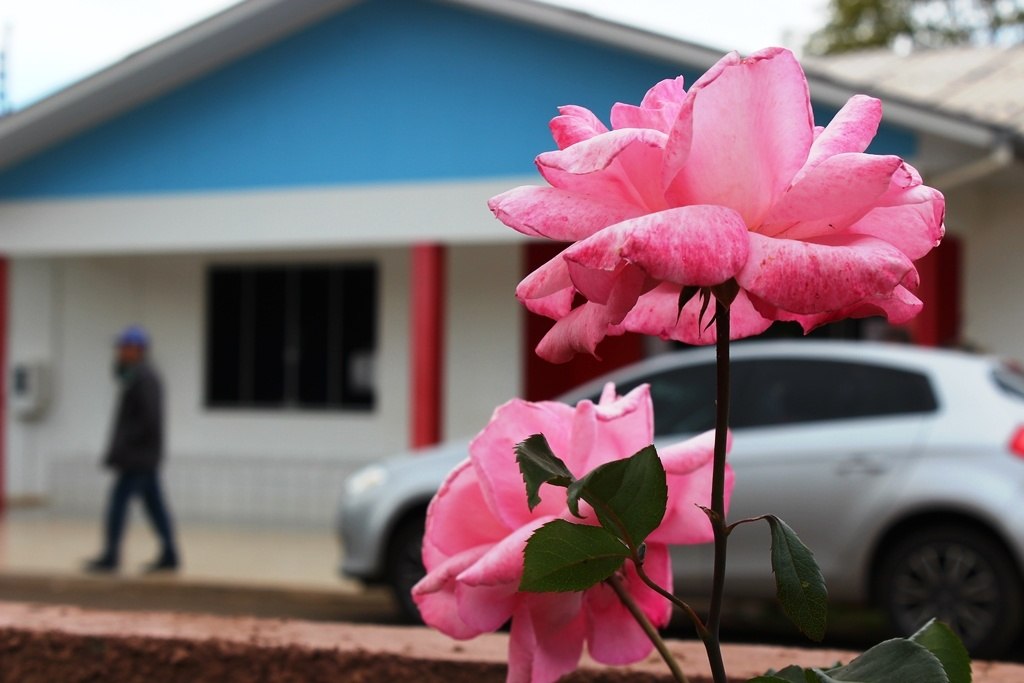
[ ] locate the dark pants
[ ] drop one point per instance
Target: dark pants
(146, 485)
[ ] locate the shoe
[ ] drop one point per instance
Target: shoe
(163, 564)
(100, 565)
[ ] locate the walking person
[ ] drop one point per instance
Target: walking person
(134, 454)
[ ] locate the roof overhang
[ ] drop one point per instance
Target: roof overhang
(912, 115)
(343, 217)
(824, 89)
(157, 69)
(247, 26)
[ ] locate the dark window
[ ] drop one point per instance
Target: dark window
(785, 391)
(291, 336)
(683, 398)
(782, 391)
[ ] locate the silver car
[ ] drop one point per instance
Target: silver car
(901, 467)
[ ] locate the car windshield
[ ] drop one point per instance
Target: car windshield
(1009, 376)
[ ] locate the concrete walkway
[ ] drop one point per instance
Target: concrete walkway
(254, 570)
(36, 540)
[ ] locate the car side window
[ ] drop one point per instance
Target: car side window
(786, 391)
(683, 398)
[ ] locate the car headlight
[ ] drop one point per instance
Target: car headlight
(366, 479)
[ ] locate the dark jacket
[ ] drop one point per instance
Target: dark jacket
(137, 439)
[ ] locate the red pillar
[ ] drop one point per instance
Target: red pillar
(4, 297)
(427, 343)
(543, 380)
(938, 324)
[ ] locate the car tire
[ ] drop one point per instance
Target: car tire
(960, 575)
(405, 565)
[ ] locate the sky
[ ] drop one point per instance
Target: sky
(52, 43)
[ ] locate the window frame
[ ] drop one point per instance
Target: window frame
(345, 396)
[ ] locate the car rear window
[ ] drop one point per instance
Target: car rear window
(788, 391)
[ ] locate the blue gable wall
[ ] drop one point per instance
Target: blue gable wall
(391, 90)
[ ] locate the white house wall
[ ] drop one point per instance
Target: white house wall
(483, 363)
(994, 241)
(296, 218)
(176, 293)
(984, 207)
(262, 465)
(31, 341)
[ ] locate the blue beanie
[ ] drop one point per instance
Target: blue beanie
(133, 335)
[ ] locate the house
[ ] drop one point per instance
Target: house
(291, 196)
(982, 178)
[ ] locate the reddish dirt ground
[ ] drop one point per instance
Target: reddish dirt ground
(48, 644)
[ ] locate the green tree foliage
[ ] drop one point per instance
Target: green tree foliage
(864, 24)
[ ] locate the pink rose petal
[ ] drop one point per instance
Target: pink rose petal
(654, 193)
(557, 214)
(612, 167)
(579, 331)
(435, 595)
(810, 277)
(810, 208)
(575, 124)
(548, 290)
(613, 636)
(450, 532)
(547, 636)
(492, 453)
(600, 437)
(751, 132)
(696, 245)
(473, 573)
(658, 110)
(657, 313)
(851, 130)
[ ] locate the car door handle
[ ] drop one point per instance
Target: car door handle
(860, 464)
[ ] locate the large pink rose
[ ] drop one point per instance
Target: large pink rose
(730, 180)
(479, 522)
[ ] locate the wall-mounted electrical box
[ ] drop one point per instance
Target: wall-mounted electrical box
(29, 389)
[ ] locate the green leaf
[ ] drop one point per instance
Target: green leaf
(629, 496)
(539, 466)
(798, 581)
(899, 659)
(940, 640)
(791, 674)
(562, 556)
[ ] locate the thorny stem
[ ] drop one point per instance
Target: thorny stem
(709, 631)
(681, 604)
(717, 515)
(616, 583)
(747, 520)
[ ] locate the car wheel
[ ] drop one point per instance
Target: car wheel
(405, 565)
(960, 575)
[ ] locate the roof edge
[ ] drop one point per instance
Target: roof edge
(251, 24)
(143, 75)
(826, 89)
(912, 114)
(585, 25)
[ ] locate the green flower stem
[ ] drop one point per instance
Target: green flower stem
(748, 520)
(698, 623)
(717, 515)
(616, 583)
